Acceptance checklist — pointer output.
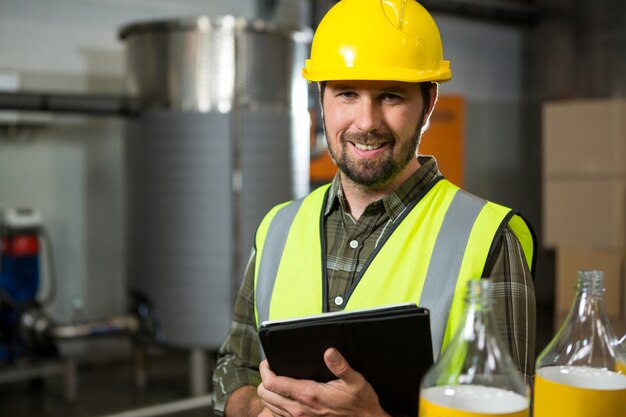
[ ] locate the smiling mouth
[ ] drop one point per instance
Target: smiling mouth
(364, 147)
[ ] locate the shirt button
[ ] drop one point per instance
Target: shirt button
(354, 244)
(338, 300)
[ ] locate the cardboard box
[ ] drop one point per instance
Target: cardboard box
(569, 260)
(584, 137)
(584, 211)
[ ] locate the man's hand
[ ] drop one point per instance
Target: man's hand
(348, 395)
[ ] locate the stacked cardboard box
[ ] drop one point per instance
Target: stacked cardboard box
(584, 197)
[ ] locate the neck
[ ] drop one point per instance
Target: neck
(359, 196)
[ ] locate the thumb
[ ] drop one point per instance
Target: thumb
(337, 364)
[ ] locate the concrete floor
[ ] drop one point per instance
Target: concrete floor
(104, 389)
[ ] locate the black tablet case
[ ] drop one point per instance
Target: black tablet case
(390, 346)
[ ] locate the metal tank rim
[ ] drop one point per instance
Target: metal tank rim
(205, 24)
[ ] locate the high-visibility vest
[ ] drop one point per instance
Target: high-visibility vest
(442, 240)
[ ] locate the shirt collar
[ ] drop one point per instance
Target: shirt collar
(397, 201)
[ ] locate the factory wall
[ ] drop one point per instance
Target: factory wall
(493, 69)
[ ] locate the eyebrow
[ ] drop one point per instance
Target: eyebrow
(390, 89)
(394, 89)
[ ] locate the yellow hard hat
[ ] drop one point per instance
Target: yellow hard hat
(394, 40)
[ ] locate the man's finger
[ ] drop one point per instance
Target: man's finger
(338, 365)
(266, 372)
(275, 411)
(277, 404)
(281, 385)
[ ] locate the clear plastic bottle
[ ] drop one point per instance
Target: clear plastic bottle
(474, 375)
(582, 370)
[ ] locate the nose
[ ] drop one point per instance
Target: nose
(367, 117)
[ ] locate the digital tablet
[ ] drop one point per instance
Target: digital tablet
(390, 346)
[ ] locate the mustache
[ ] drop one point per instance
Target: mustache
(367, 138)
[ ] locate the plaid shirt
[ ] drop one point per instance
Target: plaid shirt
(514, 297)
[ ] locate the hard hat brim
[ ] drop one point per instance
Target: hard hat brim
(443, 74)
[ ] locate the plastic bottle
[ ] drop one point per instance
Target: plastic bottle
(19, 267)
(19, 282)
(474, 375)
(582, 372)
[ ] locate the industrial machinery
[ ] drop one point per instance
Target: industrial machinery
(21, 232)
(221, 137)
(216, 133)
(26, 331)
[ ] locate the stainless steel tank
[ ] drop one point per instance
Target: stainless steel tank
(222, 135)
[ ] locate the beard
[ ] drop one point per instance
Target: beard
(382, 170)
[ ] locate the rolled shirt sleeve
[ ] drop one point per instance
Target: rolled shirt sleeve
(514, 305)
(239, 356)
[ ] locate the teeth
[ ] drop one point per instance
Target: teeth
(366, 147)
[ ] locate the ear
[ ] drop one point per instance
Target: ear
(434, 95)
(428, 110)
(321, 86)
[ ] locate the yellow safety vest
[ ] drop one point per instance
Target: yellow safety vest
(440, 242)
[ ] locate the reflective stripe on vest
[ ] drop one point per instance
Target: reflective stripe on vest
(438, 293)
(276, 240)
(448, 220)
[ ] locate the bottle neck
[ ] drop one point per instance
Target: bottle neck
(478, 294)
(478, 304)
(590, 283)
(586, 337)
(475, 354)
(589, 293)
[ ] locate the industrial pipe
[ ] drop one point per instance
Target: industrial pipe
(36, 328)
(69, 103)
(113, 325)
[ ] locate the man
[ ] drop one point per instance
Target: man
(388, 229)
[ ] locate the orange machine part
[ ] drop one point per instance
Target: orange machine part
(444, 137)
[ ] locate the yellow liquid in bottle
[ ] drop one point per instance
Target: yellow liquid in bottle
(578, 391)
(471, 401)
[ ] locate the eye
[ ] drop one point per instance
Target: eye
(347, 94)
(391, 97)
